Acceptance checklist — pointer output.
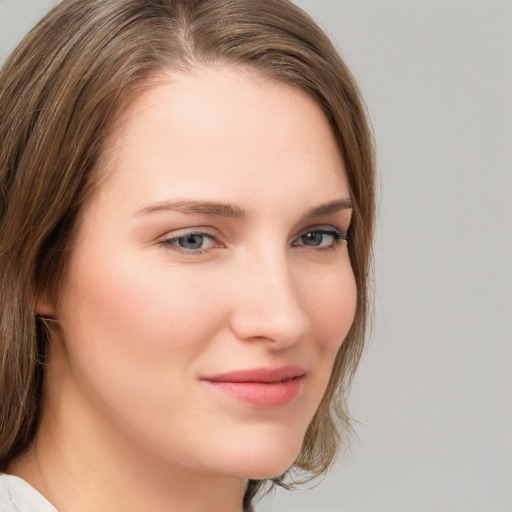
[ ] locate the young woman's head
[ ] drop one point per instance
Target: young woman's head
(177, 180)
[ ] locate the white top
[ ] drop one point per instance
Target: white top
(16, 495)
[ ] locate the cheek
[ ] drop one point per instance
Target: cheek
(331, 299)
(133, 334)
(129, 329)
(130, 300)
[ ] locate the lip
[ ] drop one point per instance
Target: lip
(261, 387)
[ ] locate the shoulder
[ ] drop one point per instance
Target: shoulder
(16, 495)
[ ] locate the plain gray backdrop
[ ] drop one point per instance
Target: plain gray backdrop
(433, 396)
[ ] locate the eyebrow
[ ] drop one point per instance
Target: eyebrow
(191, 207)
(195, 208)
(329, 208)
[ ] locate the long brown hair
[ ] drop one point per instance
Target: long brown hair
(58, 92)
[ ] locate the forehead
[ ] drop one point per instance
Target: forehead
(221, 126)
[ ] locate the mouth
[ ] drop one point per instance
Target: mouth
(260, 387)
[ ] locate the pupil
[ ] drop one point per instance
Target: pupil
(312, 238)
(191, 242)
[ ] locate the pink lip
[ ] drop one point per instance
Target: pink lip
(261, 387)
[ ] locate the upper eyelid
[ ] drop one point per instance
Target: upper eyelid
(180, 233)
(323, 227)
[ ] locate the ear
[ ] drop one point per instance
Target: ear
(44, 306)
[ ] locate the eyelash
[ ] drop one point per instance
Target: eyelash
(171, 243)
(338, 237)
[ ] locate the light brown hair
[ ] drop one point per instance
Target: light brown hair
(59, 91)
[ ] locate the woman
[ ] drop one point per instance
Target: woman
(186, 218)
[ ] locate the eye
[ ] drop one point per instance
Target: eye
(322, 239)
(190, 243)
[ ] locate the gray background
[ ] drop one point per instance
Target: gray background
(434, 392)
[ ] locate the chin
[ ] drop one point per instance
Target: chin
(260, 460)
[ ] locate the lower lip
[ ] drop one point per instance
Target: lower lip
(261, 394)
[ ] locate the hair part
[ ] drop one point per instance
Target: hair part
(60, 91)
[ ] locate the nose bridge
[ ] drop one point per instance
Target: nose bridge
(268, 305)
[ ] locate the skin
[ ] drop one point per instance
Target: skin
(127, 423)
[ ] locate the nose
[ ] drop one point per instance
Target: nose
(266, 302)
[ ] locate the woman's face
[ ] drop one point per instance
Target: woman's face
(209, 287)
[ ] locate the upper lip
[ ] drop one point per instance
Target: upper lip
(263, 374)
